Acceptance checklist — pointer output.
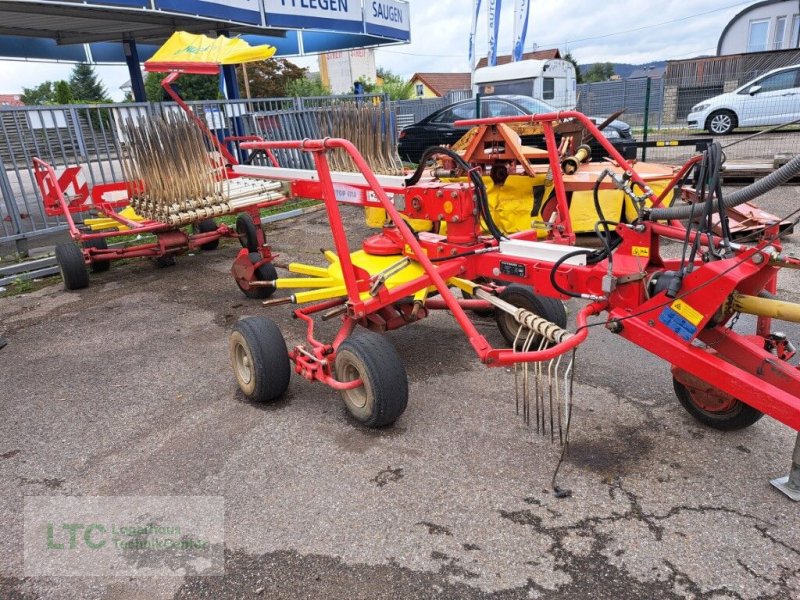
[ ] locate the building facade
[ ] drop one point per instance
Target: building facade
(761, 27)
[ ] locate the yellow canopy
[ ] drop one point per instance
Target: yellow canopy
(183, 50)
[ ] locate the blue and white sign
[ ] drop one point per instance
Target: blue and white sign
(389, 18)
(334, 15)
(241, 11)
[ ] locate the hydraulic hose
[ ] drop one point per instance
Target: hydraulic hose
(752, 191)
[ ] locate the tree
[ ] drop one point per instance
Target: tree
(271, 78)
(389, 83)
(303, 88)
(84, 85)
(578, 75)
(190, 87)
(599, 72)
(44, 93)
(63, 93)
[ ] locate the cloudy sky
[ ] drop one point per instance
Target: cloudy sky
(633, 31)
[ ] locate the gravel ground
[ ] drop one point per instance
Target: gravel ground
(125, 389)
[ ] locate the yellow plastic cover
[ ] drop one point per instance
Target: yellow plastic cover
(183, 47)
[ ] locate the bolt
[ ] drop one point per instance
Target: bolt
(614, 326)
(454, 195)
(758, 258)
(439, 194)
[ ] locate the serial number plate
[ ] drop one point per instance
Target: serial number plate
(515, 269)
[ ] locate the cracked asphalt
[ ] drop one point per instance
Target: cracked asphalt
(125, 389)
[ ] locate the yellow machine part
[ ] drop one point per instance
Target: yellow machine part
(104, 223)
(324, 283)
(614, 204)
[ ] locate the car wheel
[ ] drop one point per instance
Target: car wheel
(721, 122)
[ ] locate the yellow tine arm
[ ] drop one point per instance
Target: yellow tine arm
(465, 285)
(322, 294)
(330, 256)
(309, 270)
(289, 283)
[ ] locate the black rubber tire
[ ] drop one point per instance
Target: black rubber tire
(207, 226)
(733, 122)
(740, 416)
(98, 266)
(521, 295)
(264, 376)
(265, 272)
(246, 229)
(72, 266)
(371, 357)
(168, 260)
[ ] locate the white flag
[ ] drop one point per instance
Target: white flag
(522, 9)
(476, 9)
(493, 15)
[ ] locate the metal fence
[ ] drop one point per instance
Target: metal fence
(90, 136)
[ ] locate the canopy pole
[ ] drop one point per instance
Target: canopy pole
(134, 70)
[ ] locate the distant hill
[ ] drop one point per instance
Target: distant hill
(625, 69)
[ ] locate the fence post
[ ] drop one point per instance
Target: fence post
(646, 117)
(13, 210)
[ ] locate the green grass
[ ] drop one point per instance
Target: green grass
(26, 286)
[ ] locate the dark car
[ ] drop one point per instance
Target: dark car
(437, 128)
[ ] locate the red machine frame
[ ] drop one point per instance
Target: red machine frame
(745, 366)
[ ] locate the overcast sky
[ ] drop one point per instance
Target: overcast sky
(612, 30)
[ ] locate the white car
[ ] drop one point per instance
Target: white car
(771, 99)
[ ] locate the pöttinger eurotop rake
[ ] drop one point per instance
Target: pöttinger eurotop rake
(680, 309)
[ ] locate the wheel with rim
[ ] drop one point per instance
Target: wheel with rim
(265, 272)
(715, 408)
(383, 395)
(259, 358)
(721, 122)
(207, 226)
(98, 266)
(72, 265)
(246, 230)
(523, 297)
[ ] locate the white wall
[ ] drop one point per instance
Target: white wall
(735, 40)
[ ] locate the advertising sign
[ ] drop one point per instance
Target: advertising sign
(335, 15)
(389, 18)
(241, 11)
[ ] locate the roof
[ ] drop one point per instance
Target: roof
(535, 55)
(441, 83)
(653, 72)
(10, 100)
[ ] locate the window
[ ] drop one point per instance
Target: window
(458, 112)
(420, 89)
(498, 108)
(548, 88)
(794, 42)
(780, 81)
(757, 38)
(780, 33)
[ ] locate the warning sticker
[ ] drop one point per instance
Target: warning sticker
(640, 250)
(687, 312)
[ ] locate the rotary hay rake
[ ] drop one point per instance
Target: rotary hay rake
(680, 309)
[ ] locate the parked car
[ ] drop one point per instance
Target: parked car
(437, 128)
(771, 99)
